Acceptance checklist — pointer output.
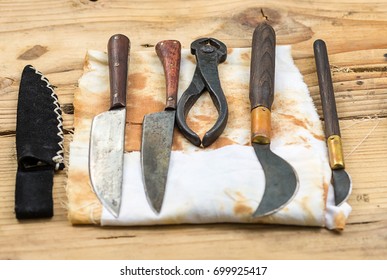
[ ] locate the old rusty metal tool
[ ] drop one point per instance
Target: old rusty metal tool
(157, 128)
(107, 138)
(281, 179)
(209, 53)
(341, 181)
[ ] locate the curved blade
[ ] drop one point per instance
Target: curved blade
(157, 134)
(342, 185)
(281, 181)
(106, 157)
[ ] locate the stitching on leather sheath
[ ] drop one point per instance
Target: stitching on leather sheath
(59, 158)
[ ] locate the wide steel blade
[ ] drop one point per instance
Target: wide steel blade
(342, 185)
(106, 157)
(281, 181)
(157, 134)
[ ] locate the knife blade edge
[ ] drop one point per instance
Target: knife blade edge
(108, 130)
(157, 137)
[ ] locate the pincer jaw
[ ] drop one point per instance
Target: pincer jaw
(213, 134)
(209, 137)
(209, 53)
(188, 100)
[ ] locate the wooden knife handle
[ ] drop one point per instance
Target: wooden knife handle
(169, 52)
(262, 66)
(118, 56)
(326, 89)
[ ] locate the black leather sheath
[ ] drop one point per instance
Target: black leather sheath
(39, 145)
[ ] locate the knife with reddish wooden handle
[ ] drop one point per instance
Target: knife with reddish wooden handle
(157, 129)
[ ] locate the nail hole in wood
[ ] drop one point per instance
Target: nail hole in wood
(147, 45)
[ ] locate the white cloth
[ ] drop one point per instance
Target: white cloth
(227, 184)
(221, 183)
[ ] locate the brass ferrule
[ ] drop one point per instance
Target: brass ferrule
(260, 125)
(335, 151)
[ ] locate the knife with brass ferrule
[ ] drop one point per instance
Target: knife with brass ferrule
(341, 181)
(281, 182)
(157, 128)
(107, 138)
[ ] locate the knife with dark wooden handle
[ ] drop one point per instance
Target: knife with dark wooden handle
(262, 82)
(157, 130)
(326, 89)
(262, 67)
(340, 179)
(107, 138)
(281, 182)
(118, 47)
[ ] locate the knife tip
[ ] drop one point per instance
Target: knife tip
(157, 208)
(261, 213)
(113, 209)
(267, 207)
(342, 186)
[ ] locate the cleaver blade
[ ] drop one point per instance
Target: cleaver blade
(107, 138)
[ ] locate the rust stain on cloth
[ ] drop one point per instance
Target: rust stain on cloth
(84, 206)
(340, 221)
(295, 121)
(246, 56)
(137, 81)
(240, 207)
(139, 105)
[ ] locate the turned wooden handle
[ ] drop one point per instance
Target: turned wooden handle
(118, 56)
(169, 52)
(262, 66)
(326, 89)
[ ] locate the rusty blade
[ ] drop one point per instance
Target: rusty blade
(107, 137)
(281, 179)
(281, 182)
(342, 185)
(106, 157)
(157, 129)
(157, 135)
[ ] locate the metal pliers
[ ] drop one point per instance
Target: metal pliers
(209, 53)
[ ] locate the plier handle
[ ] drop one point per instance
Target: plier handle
(209, 52)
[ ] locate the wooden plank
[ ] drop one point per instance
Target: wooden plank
(359, 86)
(199, 242)
(365, 152)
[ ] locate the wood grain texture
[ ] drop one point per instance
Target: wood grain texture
(327, 94)
(262, 66)
(53, 36)
(118, 56)
(169, 52)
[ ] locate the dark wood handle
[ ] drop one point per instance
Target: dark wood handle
(262, 66)
(326, 89)
(118, 55)
(169, 52)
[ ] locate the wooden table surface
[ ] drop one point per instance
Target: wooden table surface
(53, 36)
